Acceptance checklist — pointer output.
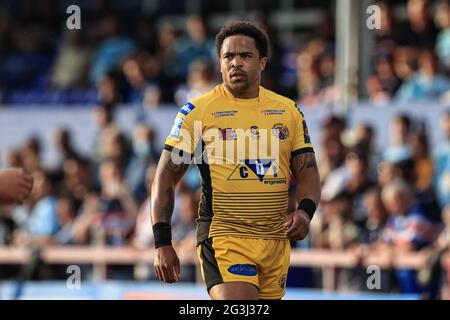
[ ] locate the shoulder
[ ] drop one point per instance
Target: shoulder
(286, 102)
(204, 100)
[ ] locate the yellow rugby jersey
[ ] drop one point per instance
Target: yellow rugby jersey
(243, 149)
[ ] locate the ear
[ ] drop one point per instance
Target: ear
(262, 63)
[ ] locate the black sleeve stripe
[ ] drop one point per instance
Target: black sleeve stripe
(180, 152)
(300, 151)
(168, 147)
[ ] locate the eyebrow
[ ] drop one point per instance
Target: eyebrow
(239, 53)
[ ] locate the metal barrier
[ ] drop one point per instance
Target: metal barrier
(328, 261)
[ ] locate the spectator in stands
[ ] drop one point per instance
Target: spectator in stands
(328, 93)
(109, 89)
(443, 39)
(134, 75)
(358, 181)
(383, 85)
(196, 46)
(78, 178)
(184, 232)
(167, 57)
(64, 145)
(426, 83)
(399, 148)
(339, 231)
(72, 62)
(116, 204)
(423, 163)
(201, 79)
(12, 158)
(387, 35)
(44, 222)
(143, 235)
(67, 211)
(408, 228)
(405, 63)
(30, 155)
(114, 144)
(114, 47)
(308, 80)
(333, 151)
(7, 225)
(151, 69)
(376, 216)
(442, 163)
(144, 154)
(364, 135)
(420, 30)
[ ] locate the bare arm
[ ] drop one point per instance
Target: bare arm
(168, 174)
(304, 168)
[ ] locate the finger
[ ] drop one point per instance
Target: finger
(292, 229)
(27, 178)
(172, 274)
(155, 269)
(158, 273)
(165, 274)
(28, 183)
(177, 271)
(300, 233)
(288, 221)
(24, 189)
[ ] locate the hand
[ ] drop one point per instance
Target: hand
(167, 264)
(15, 186)
(297, 225)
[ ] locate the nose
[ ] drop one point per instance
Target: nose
(236, 62)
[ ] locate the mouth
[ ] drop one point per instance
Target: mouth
(237, 75)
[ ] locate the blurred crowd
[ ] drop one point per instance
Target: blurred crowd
(396, 198)
(373, 200)
(134, 58)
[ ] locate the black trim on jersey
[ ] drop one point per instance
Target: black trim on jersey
(180, 152)
(210, 266)
(185, 157)
(302, 150)
(168, 147)
(205, 211)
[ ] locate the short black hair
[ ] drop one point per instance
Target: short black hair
(246, 29)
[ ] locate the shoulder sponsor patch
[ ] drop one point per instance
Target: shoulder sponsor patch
(176, 128)
(243, 270)
(186, 108)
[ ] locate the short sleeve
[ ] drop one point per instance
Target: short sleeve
(302, 140)
(183, 135)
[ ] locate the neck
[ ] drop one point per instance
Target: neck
(249, 93)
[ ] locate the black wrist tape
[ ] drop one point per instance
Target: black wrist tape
(308, 206)
(162, 233)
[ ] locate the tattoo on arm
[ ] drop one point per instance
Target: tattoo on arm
(167, 176)
(177, 169)
(302, 161)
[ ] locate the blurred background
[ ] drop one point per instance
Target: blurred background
(86, 113)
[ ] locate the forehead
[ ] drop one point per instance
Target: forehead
(238, 43)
